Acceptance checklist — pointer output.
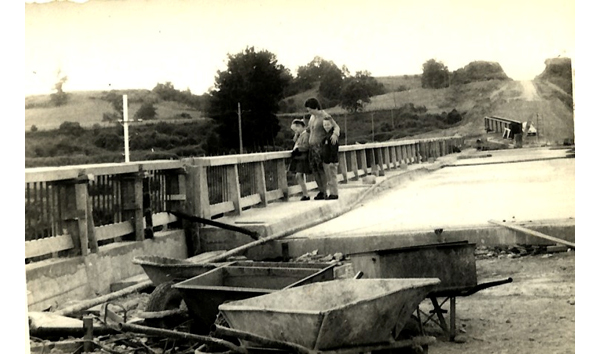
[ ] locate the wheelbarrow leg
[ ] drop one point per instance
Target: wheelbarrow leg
(439, 312)
(452, 318)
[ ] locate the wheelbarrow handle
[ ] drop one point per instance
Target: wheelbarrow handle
(482, 286)
(253, 234)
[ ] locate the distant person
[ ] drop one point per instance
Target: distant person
(315, 140)
(299, 164)
(330, 158)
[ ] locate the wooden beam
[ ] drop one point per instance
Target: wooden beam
(48, 245)
(107, 232)
(532, 232)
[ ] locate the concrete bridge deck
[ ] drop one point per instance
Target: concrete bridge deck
(460, 192)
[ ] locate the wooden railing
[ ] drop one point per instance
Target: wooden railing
(73, 210)
(498, 124)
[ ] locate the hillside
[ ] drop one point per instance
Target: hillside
(87, 108)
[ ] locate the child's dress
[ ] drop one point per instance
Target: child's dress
(299, 162)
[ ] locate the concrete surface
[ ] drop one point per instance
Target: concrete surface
(458, 193)
(468, 195)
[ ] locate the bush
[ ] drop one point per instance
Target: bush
(71, 128)
(146, 111)
(453, 117)
(109, 141)
(34, 128)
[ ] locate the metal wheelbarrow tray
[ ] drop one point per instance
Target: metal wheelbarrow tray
(329, 315)
(163, 269)
(204, 293)
(452, 262)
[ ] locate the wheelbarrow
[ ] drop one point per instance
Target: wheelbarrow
(241, 280)
(452, 262)
(339, 316)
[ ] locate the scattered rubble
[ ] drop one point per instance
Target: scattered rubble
(315, 257)
(517, 251)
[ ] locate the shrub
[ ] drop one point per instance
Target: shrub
(71, 128)
(453, 117)
(146, 111)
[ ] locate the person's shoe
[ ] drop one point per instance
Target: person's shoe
(332, 197)
(320, 196)
(305, 198)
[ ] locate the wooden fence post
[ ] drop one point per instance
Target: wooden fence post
(380, 161)
(386, 158)
(363, 161)
(343, 166)
(261, 183)
(233, 188)
(395, 162)
(77, 215)
(374, 167)
(282, 178)
(132, 200)
(354, 164)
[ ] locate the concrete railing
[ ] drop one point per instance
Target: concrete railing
(72, 210)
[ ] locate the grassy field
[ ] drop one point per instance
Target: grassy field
(87, 108)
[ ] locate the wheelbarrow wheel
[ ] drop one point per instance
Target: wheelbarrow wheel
(163, 298)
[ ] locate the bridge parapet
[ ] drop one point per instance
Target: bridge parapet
(72, 210)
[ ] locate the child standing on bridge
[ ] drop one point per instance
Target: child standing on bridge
(330, 158)
(299, 164)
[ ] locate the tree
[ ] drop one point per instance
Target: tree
(59, 98)
(328, 75)
(146, 111)
(358, 89)
(354, 96)
(256, 80)
(435, 75)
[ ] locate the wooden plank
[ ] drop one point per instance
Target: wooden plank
(108, 232)
(343, 166)
(233, 188)
(294, 189)
(354, 164)
(162, 164)
(251, 200)
(531, 232)
(176, 197)
(221, 208)
(276, 194)
(282, 178)
(162, 218)
(48, 245)
(261, 183)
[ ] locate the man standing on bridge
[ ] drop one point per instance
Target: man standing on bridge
(317, 134)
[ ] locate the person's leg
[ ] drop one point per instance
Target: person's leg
(321, 180)
(332, 178)
(316, 165)
(302, 183)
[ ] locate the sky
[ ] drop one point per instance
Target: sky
(119, 44)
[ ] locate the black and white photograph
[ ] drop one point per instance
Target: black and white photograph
(301, 176)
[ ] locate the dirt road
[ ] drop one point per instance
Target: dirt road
(534, 314)
(529, 91)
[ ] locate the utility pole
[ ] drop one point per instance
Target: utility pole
(373, 127)
(240, 125)
(345, 129)
(125, 128)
